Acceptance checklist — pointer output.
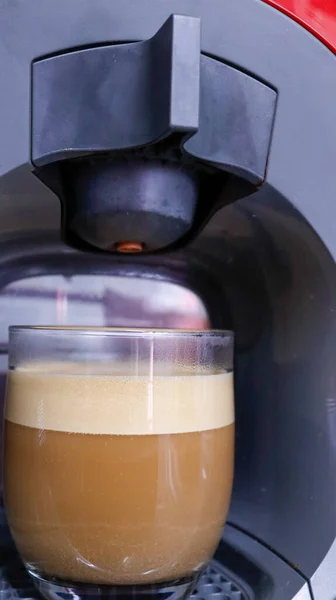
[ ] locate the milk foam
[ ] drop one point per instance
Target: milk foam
(74, 402)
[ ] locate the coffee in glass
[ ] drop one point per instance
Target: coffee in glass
(118, 456)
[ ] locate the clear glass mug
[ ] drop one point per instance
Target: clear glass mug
(118, 460)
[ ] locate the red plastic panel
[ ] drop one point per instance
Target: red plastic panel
(319, 16)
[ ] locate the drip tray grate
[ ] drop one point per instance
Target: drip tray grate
(215, 584)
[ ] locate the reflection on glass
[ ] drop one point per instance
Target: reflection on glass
(100, 301)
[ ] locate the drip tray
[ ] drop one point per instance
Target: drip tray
(215, 584)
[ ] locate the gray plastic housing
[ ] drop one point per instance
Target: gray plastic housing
(276, 249)
(127, 96)
(117, 97)
(156, 125)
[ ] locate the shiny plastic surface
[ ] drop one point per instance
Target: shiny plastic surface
(318, 16)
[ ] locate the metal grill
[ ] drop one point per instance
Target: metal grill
(215, 584)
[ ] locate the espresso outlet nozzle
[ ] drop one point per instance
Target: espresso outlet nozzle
(129, 206)
(129, 247)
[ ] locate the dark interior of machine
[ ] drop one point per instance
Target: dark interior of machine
(259, 270)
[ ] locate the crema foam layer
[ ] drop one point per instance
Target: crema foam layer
(118, 404)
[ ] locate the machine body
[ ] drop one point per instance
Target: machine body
(241, 140)
(318, 17)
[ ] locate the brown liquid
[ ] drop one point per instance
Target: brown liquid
(117, 508)
(117, 479)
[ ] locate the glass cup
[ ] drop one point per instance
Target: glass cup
(118, 462)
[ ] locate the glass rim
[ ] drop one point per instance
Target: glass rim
(121, 331)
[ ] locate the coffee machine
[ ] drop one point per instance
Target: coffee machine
(193, 143)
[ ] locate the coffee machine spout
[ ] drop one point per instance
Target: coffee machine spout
(167, 138)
